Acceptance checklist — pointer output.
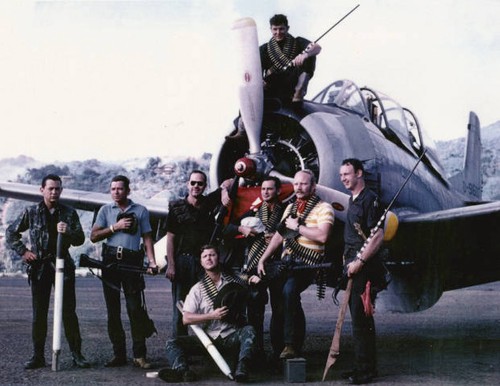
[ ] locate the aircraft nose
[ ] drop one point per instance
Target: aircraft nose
(244, 167)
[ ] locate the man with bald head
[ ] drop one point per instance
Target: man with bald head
(305, 228)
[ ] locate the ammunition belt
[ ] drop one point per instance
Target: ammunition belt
(259, 245)
(210, 291)
(304, 254)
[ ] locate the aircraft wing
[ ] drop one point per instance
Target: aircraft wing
(78, 199)
(92, 201)
(441, 251)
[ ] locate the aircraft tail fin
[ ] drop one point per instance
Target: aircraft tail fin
(468, 181)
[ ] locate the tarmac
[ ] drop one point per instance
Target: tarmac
(456, 342)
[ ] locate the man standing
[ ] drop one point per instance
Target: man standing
(269, 214)
(190, 223)
(199, 309)
(44, 221)
(366, 267)
(123, 223)
(306, 225)
(288, 62)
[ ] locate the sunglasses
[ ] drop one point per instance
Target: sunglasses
(199, 183)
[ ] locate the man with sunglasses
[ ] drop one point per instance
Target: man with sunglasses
(190, 222)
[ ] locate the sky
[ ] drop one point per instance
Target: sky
(114, 80)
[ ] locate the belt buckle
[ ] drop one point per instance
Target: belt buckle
(119, 253)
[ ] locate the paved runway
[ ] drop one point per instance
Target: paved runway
(456, 342)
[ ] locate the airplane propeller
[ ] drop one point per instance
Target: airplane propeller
(251, 93)
(251, 97)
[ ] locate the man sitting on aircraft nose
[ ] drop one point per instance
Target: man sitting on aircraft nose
(304, 231)
(288, 62)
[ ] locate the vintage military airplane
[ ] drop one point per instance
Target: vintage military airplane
(446, 238)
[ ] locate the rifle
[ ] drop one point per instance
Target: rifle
(324, 33)
(277, 268)
(88, 262)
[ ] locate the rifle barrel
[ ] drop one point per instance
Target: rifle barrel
(338, 22)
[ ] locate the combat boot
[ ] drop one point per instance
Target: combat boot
(79, 360)
(37, 361)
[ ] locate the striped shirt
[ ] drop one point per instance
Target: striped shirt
(322, 213)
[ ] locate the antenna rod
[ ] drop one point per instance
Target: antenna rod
(329, 29)
(333, 26)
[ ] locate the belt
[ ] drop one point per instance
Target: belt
(120, 252)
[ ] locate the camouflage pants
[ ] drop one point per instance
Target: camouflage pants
(240, 345)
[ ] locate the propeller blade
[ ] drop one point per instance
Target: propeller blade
(251, 92)
(338, 199)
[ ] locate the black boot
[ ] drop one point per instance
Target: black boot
(362, 377)
(79, 360)
(116, 361)
(36, 361)
(241, 373)
(177, 375)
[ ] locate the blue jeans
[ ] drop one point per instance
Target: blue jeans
(288, 322)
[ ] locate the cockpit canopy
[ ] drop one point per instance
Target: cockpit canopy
(382, 111)
(397, 124)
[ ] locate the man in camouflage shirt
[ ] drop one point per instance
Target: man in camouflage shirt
(44, 221)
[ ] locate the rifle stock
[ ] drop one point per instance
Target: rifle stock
(275, 269)
(88, 262)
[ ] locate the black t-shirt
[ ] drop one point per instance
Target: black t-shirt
(366, 211)
(282, 84)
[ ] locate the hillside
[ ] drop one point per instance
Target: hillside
(161, 177)
(165, 177)
(452, 154)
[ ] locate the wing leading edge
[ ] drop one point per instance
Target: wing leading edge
(441, 251)
(78, 199)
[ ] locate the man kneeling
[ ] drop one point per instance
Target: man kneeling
(202, 307)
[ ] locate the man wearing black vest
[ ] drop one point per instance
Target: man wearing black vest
(190, 224)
